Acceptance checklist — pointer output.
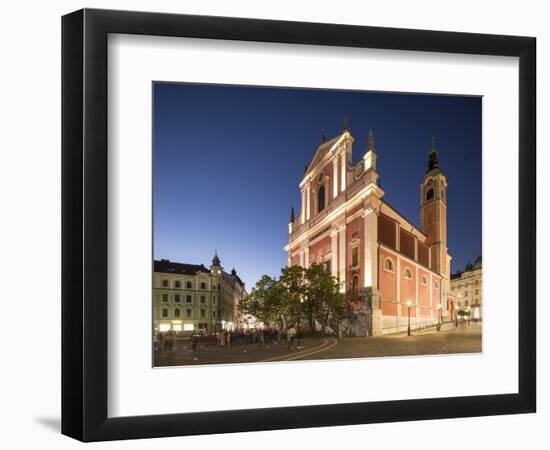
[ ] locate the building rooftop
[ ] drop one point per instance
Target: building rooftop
(167, 266)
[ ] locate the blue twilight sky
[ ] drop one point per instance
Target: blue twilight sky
(228, 160)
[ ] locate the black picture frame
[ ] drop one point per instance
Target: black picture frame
(84, 224)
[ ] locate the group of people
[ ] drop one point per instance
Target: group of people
(202, 339)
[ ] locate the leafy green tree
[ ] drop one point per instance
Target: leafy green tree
(267, 302)
(322, 297)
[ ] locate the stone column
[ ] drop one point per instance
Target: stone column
(370, 264)
(304, 206)
(308, 202)
(343, 172)
(334, 252)
(371, 248)
(334, 176)
(342, 256)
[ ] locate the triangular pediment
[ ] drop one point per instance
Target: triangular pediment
(322, 150)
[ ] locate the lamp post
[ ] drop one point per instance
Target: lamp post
(298, 324)
(439, 317)
(409, 320)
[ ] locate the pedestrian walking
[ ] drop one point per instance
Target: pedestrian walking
(290, 335)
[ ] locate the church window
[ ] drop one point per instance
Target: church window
(321, 198)
(355, 286)
(355, 256)
(430, 194)
(388, 265)
(408, 274)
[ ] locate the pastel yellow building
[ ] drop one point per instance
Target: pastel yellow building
(467, 288)
(190, 297)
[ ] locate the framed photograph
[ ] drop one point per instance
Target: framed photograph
(273, 224)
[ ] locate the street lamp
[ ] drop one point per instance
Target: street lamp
(409, 321)
(298, 324)
(439, 309)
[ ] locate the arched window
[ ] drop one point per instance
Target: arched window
(176, 312)
(388, 265)
(321, 198)
(407, 274)
(429, 194)
(355, 286)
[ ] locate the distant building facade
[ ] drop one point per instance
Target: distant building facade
(384, 261)
(467, 288)
(189, 297)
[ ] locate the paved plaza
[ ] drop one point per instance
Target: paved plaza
(464, 339)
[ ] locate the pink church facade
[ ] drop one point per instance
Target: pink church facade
(385, 263)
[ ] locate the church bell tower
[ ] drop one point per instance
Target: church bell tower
(433, 213)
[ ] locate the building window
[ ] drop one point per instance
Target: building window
(203, 285)
(188, 313)
(436, 284)
(189, 299)
(189, 285)
(164, 297)
(408, 274)
(219, 287)
(430, 194)
(177, 284)
(477, 291)
(466, 294)
(203, 313)
(477, 283)
(203, 299)
(355, 256)
(213, 313)
(388, 265)
(328, 267)
(177, 298)
(177, 312)
(165, 283)
(355, 286)
(213, 286)
(164, 312)
(214, 299)
(321, 199)
(425, 280)
(458, 303)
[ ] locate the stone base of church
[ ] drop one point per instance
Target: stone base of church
(399, 324)
(371, 322)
